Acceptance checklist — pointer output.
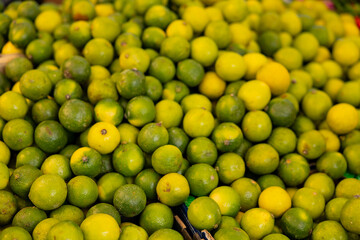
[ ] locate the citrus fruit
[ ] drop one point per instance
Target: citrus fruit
(309, 49)
(270, 180)
(231, 233)
(333, 164)
(173, 189)
(311, 144)
(44, 109)
(128, 159)
(18, 134)
(323, 183)
(68, 213)
(195, 101)
(329, 228)
(201, 150)
(103, 137)
(169, 113)
(348, 215)
(100, 226)
(230, 167)
(12, 232)
(42, 228)
(130, 200)
(140, 110)
(152, 37)
(311, 200)
(162, 68)
(257, 223)
(28, 218)
(263, 163)
(75, 115)
(165, 234)
(82, 191)
(48, 20)
(108, 184)
(198, 123)
(227, 137)
(219, 31)
(128, 133)
(166, 159)
(12, 105)
(256, 126)
(86, 161)
(345, 52)
(212, 86)
(347, 188)
(152, 136)
(204, 50)
(255, 94)
(204, 213)
(179, 28)
(67, 89)
(282, 112)
(181, 52)
(230, 108)
(230, 66)
(98, 51)
(276, 200)
(333, 208)
(132, 231)
(57, 164)
(50, 136)
(156, 216)
(283, 140)
(249, 191)
(202, 179)
(296, 223)
(227, 199)
(196, 16)
(65, 230)
(5, 157)
(8, 206)
(342, 118)
(190, 72)
(293, 169)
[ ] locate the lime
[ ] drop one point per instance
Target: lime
(103, 137)
(152, 136)
(279, 84)
(48, 192)
(153, 88)
(28, 218)
(255, 94)
(156, 216)
(8, 206)
(9, 233)
(283, 140)
(86, 161)
(50, 136)
(75, 115)
(132, 231)
(44, 109)
(311, 200)
(98, 51)
(108, 184)
(38, 51)
(128, 133)
(333, 208)
(47, 21)
(176, 48)
(196, 16)
(173, 189)
(227, 199)
(345, 52)
(175, 90)
(178, 138)
(227, 137)
(68, 213)
(333, 164)
(190, 72)
(166, 159)
(230, 108)
(219, 31)
(77, 68)
(57, 164)
(162, 68)
(249, 192)
(204, 213)
(256, 126)
(140, 110)
(5, 175)
(257, 223)
(158, 16)
(108, 110)
(332, 140)
(5, 157)
(42, 228)
(309, 49)
(105, 208)
(82, 10)
(269, 42)
(35, 85)
(105, 27)
(202, 179)
(100, 89)
(128, 159)
(63, 51)
(262, 159)
(296, 223)
(311, 144)
(351, 154)
(166, 233)
(282, 112)
(80, 33)
(347, 188)
(12, 105)
(231, 233)
(204, 50)
(349, 93)
(329, 228)
(195, 100)
(21, 32)
(18, 134)
(82, 191)
(100, 226)
(152, 37)
(302, 124)
(147, 180)
(198, 123)
(126, 40)
(342, 118)
(67, 89)
(230, 167)
(348, 215)
(169, 113)
(134, 58)
(270, 180)
(293, 169)
(180, 28)
(130, 200)
(295, 62)
(201, 150)
(65, 230)
(228, 223)
(212, 86)
(323, 183)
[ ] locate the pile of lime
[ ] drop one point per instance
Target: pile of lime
(119, 110)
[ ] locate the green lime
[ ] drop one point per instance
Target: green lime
(202, 179)
(176, 48)
(61, 31)
(134, 57)
(44, 109)
(283, 140)
(100, 89)
(105, 27)
(168, 113)
(316, 104)
(347, 188)
(12, 105)
(128, 159)
(108, 110)
(108, 184)
(178, 138)
(42, 228)
(230, 167)
(68, 213)
(77, 68)
(190, 72)
(132, 231)
(21, 32)
(227, 137)
(351, 154)
(204, 213)
(5, 158)
(98, 51)
(57, 164)
(201, 150)
(126, 40)
(22, 179)
(219, 31)
(35, 85)
(302, 124)
(140, 111)
(227, 199)
(158, 16)
(8, 207)
(65, 230)
(82, 10)
(14, 232)
(198, 122)
(130, 200)
(156, 216)
(175, 90)
(67, 89)
(269, 180)
(50, 136)
(311, 144)
(28, 218)
(69, 150)
(249, 191)
(152, 136)
(231, 233)
(162, 68)
(105, 208)
(293, 169)
(82, 191)
(75, 115)
(166, 159)
(63, 51)
(173, 189)
(311, 200)
(257, 223)
(323, 183)
(128, 133)
(86, 161)
(166, 233)
(348, 215)
(230, 108)
(333, 208)
(147, 179)
(129, 83)
(269, 42)
(281, 112)
(195, 101)
(296, 223)
(18, 134)
(152, 37)
(32, 156)
(153, 88)
(329, 229)
(262, 159)
(38, 51)
(48, 192)
(80, 33)
(256, 126)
